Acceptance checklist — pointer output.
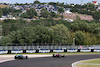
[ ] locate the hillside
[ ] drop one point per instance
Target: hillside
(3, 6)
(82, 16)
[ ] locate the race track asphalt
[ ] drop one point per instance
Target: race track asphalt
(48, 61)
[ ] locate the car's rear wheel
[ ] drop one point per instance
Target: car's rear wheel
(26, 57)
(63, 55)
(53, 55)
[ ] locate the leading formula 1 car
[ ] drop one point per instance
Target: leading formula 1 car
(58, 55)
(20, 56)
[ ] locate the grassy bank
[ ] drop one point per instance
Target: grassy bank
(89, 63)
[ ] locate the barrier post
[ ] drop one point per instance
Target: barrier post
(78, 50)
(9, 52)
(51, 50)
(92, 50)
(37, 51)
(65, 50)
(24, 51)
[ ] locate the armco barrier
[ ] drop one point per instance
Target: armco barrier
(3, 52)
(44, 51)
(85, 50)
(48, 50)
(58, 50)
(17, 51)
(97, 50)
(72, 50)
(30, 51)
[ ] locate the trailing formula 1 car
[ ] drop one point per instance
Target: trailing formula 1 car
(20, 56)
(58, 55)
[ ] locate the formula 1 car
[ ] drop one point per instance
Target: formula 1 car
(58, 55)
(20, 56)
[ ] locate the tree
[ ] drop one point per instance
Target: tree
(62, 16)
(44, 34)
(36, 2)
(77, 6)
(31, 13)
(97, 30)
(24, 15)
(93, 27)
(10, 38)
(5, 11)
(91, 7)
(60, 34)
(13, 27)
(96, 15)
(98, 37)
(78, 18)
(1, 30)
(60, 10)
(80, 25)
(1, 13)
(26, 35)
(84, 6)
(52, 14)
(53, 3)
(6, 40)
(44, 13)
(61, 4)
(26, 4)
(74, 9)
(79, 38)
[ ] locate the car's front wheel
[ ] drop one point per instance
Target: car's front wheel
(15, 57)
(63, 55)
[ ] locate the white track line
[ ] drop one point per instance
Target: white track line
(1, 61)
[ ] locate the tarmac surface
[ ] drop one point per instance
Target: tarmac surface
(48, 61)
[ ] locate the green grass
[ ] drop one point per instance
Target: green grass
(66, 53)
(93, 62)
(88, 65)
(97, 61)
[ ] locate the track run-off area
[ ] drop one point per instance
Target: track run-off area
(43, 60)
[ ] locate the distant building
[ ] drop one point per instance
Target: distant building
(95, 3)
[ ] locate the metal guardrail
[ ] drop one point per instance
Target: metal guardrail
(45, 51)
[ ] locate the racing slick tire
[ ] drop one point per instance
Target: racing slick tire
(26, 57)
(53, 55)
(15, 57)
(63, 56)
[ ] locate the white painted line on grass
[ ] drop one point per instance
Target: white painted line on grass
(75, 63)
(1, 61)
